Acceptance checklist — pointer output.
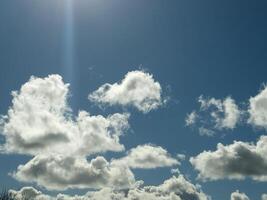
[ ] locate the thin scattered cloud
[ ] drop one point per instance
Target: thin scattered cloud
(214, 115)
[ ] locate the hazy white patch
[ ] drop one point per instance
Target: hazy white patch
(137, 89)
(147, 157)
(239, 196)
(205, 132)
(181, 157)
(235, 161)
(175, 171)
(264, 197)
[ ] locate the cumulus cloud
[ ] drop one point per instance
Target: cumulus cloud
(147, 157)
(214, 114)
(40, 120)
(137, 89)
(239, 196)
(175, 188)
(235, 161)
(258, 109)
(57, 172)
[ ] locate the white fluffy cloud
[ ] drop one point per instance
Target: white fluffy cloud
(258, 109)
(137, 89)
(40, 120)
(214, 114)
(239, 196)
(235, 161)
(147, 157)
(57, 172)
(175, 188)
(35, 119)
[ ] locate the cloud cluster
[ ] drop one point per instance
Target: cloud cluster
(238, 160)
(235, 161)
(40, 123)
(239, 196)
(214, 114)
(137, 89)
(175, 188)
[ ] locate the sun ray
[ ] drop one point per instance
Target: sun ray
(68, 52)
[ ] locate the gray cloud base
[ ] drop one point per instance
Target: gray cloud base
(235, 161)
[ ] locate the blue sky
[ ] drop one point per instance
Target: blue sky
(192, 48)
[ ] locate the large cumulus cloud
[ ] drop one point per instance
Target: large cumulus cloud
(235, 161)
(40, 120)
(137, 89)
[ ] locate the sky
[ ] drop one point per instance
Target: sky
(135, 90)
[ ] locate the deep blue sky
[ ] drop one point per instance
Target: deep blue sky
(215, 48)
